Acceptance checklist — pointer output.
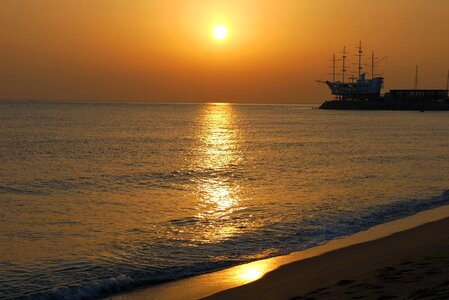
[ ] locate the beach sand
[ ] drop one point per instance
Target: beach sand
(412, 264)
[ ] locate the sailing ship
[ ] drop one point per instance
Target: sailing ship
(365, 93)
(359, 87)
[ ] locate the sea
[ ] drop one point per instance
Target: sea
(101, 198)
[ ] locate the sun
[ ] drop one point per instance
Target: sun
(220, 32)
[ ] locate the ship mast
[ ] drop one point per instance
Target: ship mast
(447, 81)
(360, 59)
(374, 61)
(343, 69)
(333, 68)
(334, 61)
(416, 78)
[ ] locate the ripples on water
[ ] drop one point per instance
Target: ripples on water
(95, 198)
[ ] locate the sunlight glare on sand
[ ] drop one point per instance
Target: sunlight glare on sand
(252, 271)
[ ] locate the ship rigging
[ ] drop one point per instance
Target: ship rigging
(360, 87)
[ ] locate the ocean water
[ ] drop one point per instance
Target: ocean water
(101, 198)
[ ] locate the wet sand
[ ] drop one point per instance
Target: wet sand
(412, 264)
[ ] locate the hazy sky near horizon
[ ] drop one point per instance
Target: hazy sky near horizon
(144, 50)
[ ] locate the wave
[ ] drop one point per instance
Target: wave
(177, 180)
(251, 246)
(124, 282)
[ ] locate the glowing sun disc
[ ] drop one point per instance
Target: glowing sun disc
(220, 32)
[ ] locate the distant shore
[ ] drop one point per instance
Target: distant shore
(406, 257)
(407, 265)
(382, 104)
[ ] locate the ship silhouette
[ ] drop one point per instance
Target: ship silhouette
(365, 93)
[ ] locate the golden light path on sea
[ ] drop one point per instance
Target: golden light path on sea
(219, 152)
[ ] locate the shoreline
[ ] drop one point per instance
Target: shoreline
(277, 277)
(411, 264)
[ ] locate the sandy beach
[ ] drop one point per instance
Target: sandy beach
(412, 264)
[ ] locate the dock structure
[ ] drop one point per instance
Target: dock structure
(365, 93)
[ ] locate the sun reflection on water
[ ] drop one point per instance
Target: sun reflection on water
(219, 137)
(219, 194)
(219, 158)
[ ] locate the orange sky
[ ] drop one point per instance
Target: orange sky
(144, 50)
